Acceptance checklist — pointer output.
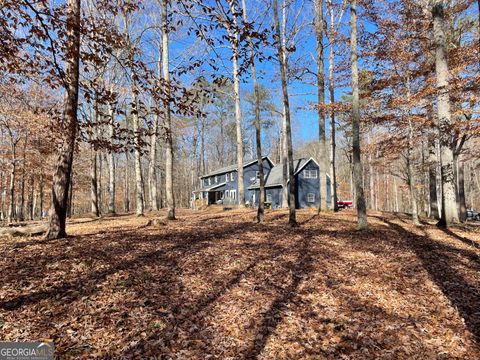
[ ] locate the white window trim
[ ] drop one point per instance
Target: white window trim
(209, 181)
(216, 179)
(234, 194)
(309, 196)
(310, 174)
(269, 198)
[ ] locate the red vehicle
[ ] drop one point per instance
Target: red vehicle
(344, 204)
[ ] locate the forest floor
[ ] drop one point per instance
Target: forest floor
(216, 285)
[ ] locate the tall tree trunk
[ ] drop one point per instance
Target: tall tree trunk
(21, 212)
(322, 206)
(11, 188)
(111, 164)
(292, 221)
(432, 180)
(411, 176)
(410, 158)
(202, 146)
(194, 162)
(93, 183)
(168, 119)
(331, 91)
(4, 195)
(126, 187)
(395, 191)
(357, 164)
(137, 154)
(41, 195)
(462, 206)
(152, 168)
(449, 213)
(234, 36)
(70, 199)
(284, 146)
(32, 201)
(258, 135)
(63, 165)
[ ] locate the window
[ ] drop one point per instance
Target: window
(257, 174)
(209, 181)
(310, 174)
(269, 198)
(216, 179)
(310, 197)
(231, 176)
(234, 194)
(226, 177)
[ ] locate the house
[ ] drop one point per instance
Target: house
(307, 185)
(221, 186)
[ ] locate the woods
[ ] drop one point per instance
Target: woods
(240, 179)
(170, 84)
(167, 118)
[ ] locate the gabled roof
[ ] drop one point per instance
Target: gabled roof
(275, 176)
(234, 167)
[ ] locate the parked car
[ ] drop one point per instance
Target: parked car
(343, 204)
(473, 215)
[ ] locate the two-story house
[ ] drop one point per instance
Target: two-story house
(221, 186)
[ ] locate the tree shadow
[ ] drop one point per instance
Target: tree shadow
(440, 261)
(181, 244)
(463, 239)
(273, 317)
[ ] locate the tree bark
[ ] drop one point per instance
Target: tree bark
(234, 40)
(331, 91)
(432, 180)
(11, 188)
(284, 146)
(168, 119)
(93, 174)
(137, 153)
(21, 208)
(449, 214)
(111, 164)
(126, 187)
(357, 164)
(292, 221)
(411, 176)
(152, 168)
(321, 102)
(63, 165)
(258, 135)
(462, 205)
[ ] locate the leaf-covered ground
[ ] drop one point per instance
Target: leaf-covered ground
(214, 285)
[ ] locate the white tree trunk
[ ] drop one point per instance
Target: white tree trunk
(280, 50)
(168, 117)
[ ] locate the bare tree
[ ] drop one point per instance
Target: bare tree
(63, 167)
(168, 115)
(357, 164)
(449, 214)
(319, 19)
(258, 135)
(292, 221)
